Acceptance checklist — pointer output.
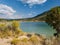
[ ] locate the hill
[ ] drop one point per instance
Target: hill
(40, 17)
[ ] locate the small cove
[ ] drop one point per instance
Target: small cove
(37, 27)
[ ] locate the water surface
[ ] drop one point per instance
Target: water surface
(37, 27)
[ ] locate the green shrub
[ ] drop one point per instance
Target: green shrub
(15, 25)
(10, 29)
(15, 41)
(34, 38)
(24, 40)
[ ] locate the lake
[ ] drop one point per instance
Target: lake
(37, 27)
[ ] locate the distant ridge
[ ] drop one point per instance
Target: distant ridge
(40, 17)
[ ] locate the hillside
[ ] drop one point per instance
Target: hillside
(40, 17)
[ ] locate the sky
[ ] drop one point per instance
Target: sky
(16, 9)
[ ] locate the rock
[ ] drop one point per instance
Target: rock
(29, 35)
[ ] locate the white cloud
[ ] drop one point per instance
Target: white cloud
(8, 13)
(6, 10)
(15, 17)
(33, 2)
(11, 16)
(30, 14)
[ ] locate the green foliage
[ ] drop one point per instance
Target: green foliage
(11, 29)
(2, 26)
(24, 40)
(15, 41)
(15, 25)
(53, 18)
(34, 38)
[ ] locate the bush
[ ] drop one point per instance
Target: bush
(11, 29)
(15, 25)
(15, 41)
(34, 38)
(24, 39)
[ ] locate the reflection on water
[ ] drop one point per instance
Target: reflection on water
(37, 27)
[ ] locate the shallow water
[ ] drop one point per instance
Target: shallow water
(37, 27)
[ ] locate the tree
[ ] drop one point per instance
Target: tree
(53, 19)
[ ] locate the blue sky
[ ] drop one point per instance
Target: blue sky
(12, 9)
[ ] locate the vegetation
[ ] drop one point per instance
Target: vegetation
(34, 38)
(15, 25)
(53, 19)
(15, 41)
(10, 29)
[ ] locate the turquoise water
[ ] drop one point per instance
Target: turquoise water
(37, 27)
